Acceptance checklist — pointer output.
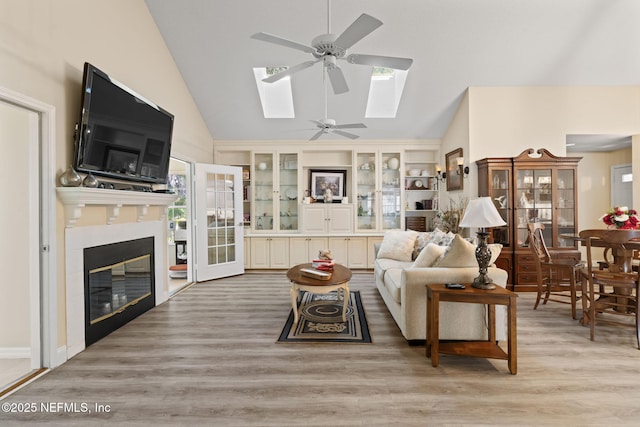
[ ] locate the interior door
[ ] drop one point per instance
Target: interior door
(218, 225)
(20, 248)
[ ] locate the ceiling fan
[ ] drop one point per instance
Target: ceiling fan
(330, 48)
(329, 125)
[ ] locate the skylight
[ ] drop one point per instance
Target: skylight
(385, 92)
(276, 97)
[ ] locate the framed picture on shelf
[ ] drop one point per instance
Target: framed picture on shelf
(321, 179)
(454, 177)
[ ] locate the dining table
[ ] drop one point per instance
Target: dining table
(623, 258)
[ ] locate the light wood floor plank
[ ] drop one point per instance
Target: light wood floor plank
(209, 357)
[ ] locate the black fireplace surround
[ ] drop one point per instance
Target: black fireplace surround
(119, 285)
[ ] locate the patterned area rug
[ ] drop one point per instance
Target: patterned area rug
(321, 320)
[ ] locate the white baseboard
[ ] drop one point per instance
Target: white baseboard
(61, 356)
(15, 353)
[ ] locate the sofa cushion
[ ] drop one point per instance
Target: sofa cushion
(398, 245)
(436, 236)
(462, 253)
(429, 255)
(393, 282)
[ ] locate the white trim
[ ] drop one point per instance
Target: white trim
(47, 300)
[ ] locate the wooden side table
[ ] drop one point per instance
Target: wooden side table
(488, 348)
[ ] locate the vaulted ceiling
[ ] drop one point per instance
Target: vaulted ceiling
(454, 44)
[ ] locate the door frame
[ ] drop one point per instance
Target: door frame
(45, 301)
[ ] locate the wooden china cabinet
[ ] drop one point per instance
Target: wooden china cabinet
(531, 187)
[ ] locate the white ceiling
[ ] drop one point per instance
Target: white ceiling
(454, 43)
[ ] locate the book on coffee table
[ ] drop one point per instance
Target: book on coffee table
(315, 274)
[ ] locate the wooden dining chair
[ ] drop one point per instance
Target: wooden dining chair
(612, 290)
(558, 279)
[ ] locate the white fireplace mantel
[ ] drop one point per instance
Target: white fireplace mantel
(76, 198)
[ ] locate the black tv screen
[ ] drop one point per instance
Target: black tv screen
(121, 134)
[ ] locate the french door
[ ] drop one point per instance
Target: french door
(219, 236)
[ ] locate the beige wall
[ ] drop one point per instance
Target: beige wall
(505, 121)
(43, 47)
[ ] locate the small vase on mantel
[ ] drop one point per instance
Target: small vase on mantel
(90, 181)
(70, 178)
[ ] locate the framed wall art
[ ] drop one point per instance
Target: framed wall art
(321, 179)
(454, 177)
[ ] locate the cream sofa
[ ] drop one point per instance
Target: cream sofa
(401, 281)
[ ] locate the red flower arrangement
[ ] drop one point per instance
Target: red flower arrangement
(621, 218)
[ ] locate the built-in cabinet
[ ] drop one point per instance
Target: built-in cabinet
(329, 218)
(421, 189)
(305, 249)
(275, 186)
(531, 188)
(269, 252)
(282, 230)
(378, 190)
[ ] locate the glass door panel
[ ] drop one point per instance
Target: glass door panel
(500, 190)
(264, 191)
(366, 191)
(288, 192)
(390, 184)
(566, 206)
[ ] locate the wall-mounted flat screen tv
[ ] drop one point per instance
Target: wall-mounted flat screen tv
(121, 134)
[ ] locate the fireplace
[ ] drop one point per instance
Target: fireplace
(118, 285)
(77, 239)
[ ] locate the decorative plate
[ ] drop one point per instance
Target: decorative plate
(291, 193)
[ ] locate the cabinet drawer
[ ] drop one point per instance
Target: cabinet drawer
(527, 278)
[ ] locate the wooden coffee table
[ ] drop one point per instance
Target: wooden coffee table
(339, 282)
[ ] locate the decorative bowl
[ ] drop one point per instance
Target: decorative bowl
(414, 172)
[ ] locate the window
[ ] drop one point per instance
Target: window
(276, 97)
(385, 92)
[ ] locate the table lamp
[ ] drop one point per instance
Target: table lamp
(481, 213)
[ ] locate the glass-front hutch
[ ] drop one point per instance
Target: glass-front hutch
(531, 188)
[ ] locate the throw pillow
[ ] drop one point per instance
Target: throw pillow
(428, 255)
(495, 248)
(422, 240)
(460, 254)
(398, 245)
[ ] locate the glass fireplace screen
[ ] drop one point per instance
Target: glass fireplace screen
(115, 287)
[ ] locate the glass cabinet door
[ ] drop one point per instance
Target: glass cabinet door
(366, 191)
(263, 206)
(500, 185)
(566, 212)
(534, 201)
(288, 192)
(390, 192)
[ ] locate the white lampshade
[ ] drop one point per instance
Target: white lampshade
(481, 213)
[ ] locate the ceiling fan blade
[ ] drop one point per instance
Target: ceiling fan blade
(318, 123)
(270, 38)
(338, 82)
(360, 28)
(316, 135)
(289, 71)
(380, 61)
(346, 134)
(351, 126)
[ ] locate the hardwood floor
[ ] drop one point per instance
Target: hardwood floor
(209, 357)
